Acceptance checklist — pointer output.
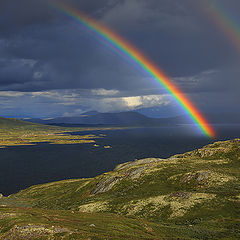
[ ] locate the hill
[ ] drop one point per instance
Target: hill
(122, 118)
(137, 118)
(214, 118)
(195, 195)
(15, 123)
(95, 118)
(16, 132)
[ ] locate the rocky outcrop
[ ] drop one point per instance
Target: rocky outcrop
(198, 177)
(219, 148)
(132, 170)
(106, 184)
(138, 162)
(31, 231)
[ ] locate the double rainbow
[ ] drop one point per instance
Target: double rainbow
(223, 20)
(125, 48)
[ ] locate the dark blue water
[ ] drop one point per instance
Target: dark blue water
(24, 166)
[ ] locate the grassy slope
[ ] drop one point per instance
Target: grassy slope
(195, 195)
(23, 223)
(14, 132)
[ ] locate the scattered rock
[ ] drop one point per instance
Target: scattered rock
(92, 225)
(206, 178)
(180, 203)
(32, 231)
(199, 177)
(106, 184)
(138, 162)
(134, 173)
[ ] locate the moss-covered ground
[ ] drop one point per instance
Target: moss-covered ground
(195, 195)
(14, 132)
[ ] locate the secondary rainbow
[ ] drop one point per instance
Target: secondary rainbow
(124, 47)
(223, 20)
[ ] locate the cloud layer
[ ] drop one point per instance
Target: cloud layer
(46, 55)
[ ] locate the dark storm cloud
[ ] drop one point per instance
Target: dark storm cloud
(66, 58)
(218, 81)
(169, 32)
(177, 35)
(41, 49)
(15, 71)
(15, 14)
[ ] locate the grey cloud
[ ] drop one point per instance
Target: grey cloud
(166, 30)
(70, 102)
(15, 14)
(15, 71)
(213, 81)
(43, 50)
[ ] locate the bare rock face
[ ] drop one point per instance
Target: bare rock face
(132, 170)
(138, 162)
(199, 177)
(134, 173)
(106, 184)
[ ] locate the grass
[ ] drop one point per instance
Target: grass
(195, 195)
(27, 223)
(14, 132)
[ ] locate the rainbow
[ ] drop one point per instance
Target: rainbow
(125, 48)
(223, 21)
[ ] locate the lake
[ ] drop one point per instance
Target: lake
(24, 166)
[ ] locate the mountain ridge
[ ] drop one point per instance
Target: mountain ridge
(135, 118)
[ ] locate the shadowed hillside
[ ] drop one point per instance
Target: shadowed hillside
(15, 132)
(137, 118)
(95, 118)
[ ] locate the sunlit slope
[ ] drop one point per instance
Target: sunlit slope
(14, 123)
(195, 195)
(31, 224)
(14, 132)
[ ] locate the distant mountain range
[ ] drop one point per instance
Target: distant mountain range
(96, 118)
(132, 118)
(159, 112)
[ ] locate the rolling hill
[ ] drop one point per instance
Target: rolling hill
(195, 195)
(16, 132)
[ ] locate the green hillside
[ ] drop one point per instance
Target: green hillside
(14, 132)
(195, 195)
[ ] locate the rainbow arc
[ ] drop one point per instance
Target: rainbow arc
(125, 48)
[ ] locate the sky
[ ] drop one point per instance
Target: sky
(50, 66)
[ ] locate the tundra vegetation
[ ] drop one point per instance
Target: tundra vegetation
(195, 195)
(14, 132)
